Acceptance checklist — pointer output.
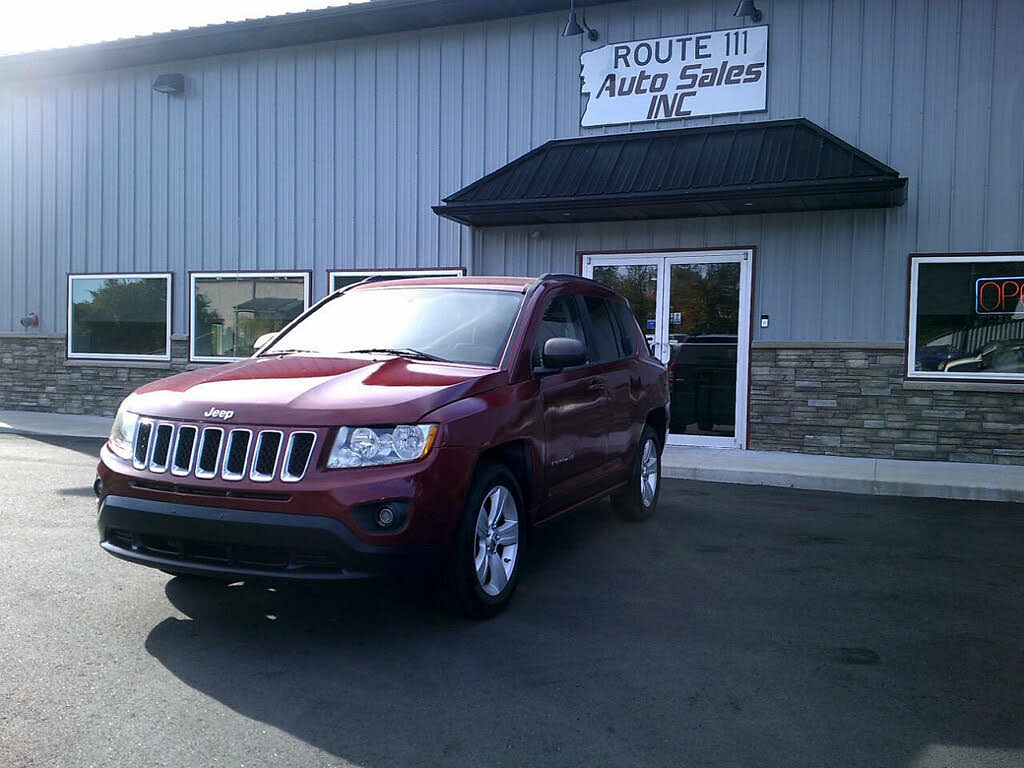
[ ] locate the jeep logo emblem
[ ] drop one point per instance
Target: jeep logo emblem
(216, 413)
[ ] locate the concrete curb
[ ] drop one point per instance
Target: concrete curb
(41, 424)
(876, 477)
(846, 484)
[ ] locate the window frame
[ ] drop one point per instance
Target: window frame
(910, 351)
(307, 280)
(591, 330)
(624, 331)
(581, 311)
(168, 316)
(396, 272)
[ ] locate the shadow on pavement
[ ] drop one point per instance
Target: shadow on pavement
(743, 626)
(87, 446)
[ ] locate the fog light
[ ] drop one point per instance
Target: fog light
(385, 517)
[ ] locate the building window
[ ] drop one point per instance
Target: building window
(966, 317)
(230, 311)
(121, 317)
(339, 279)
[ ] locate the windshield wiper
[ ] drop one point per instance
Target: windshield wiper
(270, 352)
(415, 354)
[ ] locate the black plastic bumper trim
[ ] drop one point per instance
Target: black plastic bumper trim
(238, 527)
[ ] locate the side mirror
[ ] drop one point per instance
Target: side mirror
(262, 341)
(562, 353)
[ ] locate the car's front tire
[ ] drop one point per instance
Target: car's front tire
(639, 499)
(483, 569)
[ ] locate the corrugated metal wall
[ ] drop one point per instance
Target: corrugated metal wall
(934, 89)
(330, 156)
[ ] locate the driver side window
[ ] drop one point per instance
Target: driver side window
(561, 320)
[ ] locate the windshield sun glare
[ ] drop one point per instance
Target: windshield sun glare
(456, 325)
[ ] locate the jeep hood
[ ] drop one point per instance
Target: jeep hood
(315, 391)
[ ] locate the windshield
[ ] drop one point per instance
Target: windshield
(450, 324)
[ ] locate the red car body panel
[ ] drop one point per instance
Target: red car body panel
(575, 430)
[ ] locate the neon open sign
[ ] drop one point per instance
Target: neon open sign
(999, 295)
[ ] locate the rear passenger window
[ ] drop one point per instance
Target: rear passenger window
(561, 320)
(627, 327)
(603, 345)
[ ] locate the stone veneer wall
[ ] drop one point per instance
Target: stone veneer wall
(850, 400)
(36, 376)
(841, 400)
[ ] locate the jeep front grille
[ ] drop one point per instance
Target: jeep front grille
(208, 452)
(161, 447)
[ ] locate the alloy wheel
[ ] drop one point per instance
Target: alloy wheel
(649, 473)
(497, 540)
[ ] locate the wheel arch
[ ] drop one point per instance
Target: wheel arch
(518, 456)
(657, 419)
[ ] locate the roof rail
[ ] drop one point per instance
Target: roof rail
(364, 281)
(565, 276)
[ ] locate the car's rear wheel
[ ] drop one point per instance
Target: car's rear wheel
(483, 569)
(639, 499)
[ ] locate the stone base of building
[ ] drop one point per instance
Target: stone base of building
(35, 375)
(839, 400)
(845, 400)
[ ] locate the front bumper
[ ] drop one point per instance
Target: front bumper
(236, 543)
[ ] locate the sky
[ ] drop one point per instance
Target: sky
(32, 25)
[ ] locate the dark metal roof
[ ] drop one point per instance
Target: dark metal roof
(359, 19)
(783, 165)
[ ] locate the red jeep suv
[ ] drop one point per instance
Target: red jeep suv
(440, 417)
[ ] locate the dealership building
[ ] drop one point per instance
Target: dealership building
(815, 208)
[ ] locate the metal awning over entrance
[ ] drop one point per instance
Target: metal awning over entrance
(767, 167)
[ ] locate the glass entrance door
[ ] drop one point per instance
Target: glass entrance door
(695, 311)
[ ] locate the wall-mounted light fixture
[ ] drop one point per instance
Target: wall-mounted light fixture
(747, 8)
(31, 320)
(573, 28)
(172, 84)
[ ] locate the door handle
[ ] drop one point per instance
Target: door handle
(597, 386)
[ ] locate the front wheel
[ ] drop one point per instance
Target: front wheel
(483, 569)
(640, 498)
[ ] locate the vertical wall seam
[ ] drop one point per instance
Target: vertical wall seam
(799, 47)
(860, 90)
(295, 166)
(117, 175)
(988, 117)
(958, 38)
(831, 62)
(892, 74)
(924, 107)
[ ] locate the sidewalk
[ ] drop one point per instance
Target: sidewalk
(53, 424)
(886, 477)
(883, 477)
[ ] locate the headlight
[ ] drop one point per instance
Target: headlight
(122, 434)
(377, 446)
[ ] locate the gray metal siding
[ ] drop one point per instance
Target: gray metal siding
(933, 89)
(329, 156)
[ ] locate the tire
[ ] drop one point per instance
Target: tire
(639, 500)
(483, 567)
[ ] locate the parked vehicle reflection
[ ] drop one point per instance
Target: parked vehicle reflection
(702, 384)
(997, 357)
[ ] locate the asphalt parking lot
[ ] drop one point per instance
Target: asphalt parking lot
(743, 627)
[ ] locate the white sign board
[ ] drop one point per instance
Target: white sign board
(709, 73)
